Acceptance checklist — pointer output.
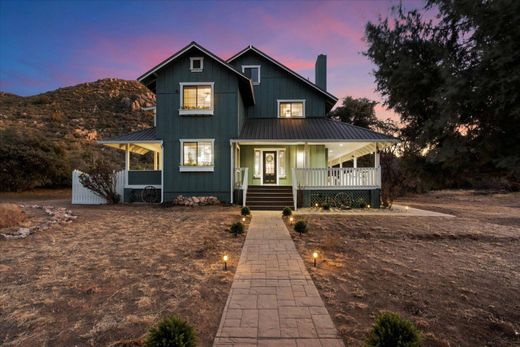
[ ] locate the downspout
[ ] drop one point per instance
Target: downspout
(231, 161)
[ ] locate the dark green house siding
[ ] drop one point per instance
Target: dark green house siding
(221, 126)
(276, 84)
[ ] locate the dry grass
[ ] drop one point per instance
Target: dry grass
(10, 215)
(458, 279)
(106, 278)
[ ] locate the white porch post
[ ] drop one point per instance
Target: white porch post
(377, 165)
(355, 162)
(232, 165)
(127, 158)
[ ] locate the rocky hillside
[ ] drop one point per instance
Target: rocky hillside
(44, 137)
(85, 112)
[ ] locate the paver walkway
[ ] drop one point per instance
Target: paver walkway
(273, 300)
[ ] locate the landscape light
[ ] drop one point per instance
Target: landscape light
(315, 255)
(406, 208)
(316, 205)
(368, 206)
(225, 261)
(243, 219)
(291, 219)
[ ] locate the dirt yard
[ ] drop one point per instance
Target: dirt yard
(105, 278)
(457, 278)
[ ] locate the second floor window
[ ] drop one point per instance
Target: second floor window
(196, 98)
(291, 108)
(252, 72)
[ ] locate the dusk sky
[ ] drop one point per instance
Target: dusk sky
(45, 45)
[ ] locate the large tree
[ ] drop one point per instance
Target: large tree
(455, 81)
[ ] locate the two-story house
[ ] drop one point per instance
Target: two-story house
(249, 130)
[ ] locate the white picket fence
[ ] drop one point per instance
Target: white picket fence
(84, 196)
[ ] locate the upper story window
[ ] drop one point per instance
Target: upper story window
(291, 108)
(253, 72)
(196, 98)
(196, 64)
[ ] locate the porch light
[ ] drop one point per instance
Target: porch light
(225, 261)
(315, 256)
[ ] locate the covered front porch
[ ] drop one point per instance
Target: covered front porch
(143, 164)
(315, 158)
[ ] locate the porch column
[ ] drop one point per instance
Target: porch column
(155, 161)
(355, 161)
(377, 165)
(306, 155)
(232, 167)
(127, 158)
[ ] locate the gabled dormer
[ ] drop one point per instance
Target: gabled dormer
(281, 92)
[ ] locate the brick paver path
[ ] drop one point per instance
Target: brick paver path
(273, 300)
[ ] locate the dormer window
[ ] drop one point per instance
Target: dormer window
(252, 72)
(196, 64)
(291, 108)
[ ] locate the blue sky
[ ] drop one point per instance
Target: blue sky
(45, 45)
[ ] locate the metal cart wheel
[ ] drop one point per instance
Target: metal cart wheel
(343, 200)
(149, 194)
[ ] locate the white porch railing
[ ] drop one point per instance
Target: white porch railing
(84, 196)
(338, 178)
(240, 182)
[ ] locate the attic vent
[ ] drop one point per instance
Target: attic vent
(196, 64)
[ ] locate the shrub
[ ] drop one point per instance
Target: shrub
(301, 227)
(28, 160)
(325, 206)
(245, 211)
(237, 228)
(287, 212)
(101, 179)
(390, 330)
(171, 332)
(361, 203)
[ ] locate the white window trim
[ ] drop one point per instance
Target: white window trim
(197, 112)
(189, 168)
(259, 72)
(277, 150)
(279, 101)
(192, 59)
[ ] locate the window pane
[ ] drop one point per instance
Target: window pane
(205, 155)
(204, 97)
(253, 73)
(189, 97)
(297, 109)
(196, 64)
(300, 159)
(285, 109)
(281, 163)
(190, 153)
(257, 164)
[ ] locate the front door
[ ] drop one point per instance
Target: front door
(270, 167)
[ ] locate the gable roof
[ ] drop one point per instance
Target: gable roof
(244, 80)
(252, 48)
(307, 129)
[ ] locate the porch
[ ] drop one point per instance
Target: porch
(143, 166)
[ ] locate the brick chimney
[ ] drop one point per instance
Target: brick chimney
(321, 71)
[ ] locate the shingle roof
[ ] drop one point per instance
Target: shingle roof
(141, 135)
(306, 129)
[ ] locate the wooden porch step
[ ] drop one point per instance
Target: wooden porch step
(273, 198)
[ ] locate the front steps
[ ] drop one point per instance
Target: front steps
(273, 198)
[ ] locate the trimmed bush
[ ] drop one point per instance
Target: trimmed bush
(391, 330)
(237, 228)
(325, 206)
(171, 332)
(286, 212)
(301, 227)
(245, 211)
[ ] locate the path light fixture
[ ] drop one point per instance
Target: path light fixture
(316, 204)
(291, 220)
(406, 208)
(225, 257)
(368, 206)
(315, 256)
(243, 219)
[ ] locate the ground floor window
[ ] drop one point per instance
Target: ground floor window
(197, 155)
